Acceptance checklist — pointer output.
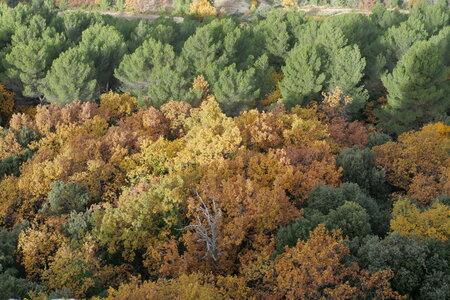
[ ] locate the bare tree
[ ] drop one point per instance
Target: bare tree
(207, 228)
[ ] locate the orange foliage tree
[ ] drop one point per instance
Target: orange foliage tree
(314, 269)
(418, 162)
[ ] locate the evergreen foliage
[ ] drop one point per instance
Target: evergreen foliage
(65, 198)
(71, 78)
(417, 89)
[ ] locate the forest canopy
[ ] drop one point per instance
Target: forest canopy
(278, 155)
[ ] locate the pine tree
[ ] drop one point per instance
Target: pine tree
(304, 76)
(433, 16)
(417, 89)
(346, 72)
(212, 43)
(169, 83)
(235, 90)
(105, 47)
(30, 60)
(154, 74)
(71, 78)
(75, 22)
(398, 40)
(135, 69)
(65, 198)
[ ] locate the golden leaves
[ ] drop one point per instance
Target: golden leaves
(202, 8)
(433, 222)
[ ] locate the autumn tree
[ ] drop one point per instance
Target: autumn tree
(315, 269)
(432, 222)
(6, 104)
(135, 225)
(211, 135)
(202, 8)
(11, 284)
(118, 105)
(417, 162)
(36, 246)
(186, 286)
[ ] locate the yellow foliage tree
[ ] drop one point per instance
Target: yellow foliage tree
(8, 144)
(211, 135)
(6, 102)
(36, 247)
(72, 269)
(118, 105)
(289, 3)
(187, 287)
(143, 219)
(202, 8)
(433, 222)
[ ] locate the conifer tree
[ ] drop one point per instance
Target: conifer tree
(75, 22)
(71, 78)
(210, 44)
(398, 40)
(417, 89)
(105, 47)
(30, 60)
(235, 90)
(135, 69)
(154, 74)
(433, 16)
(346, 72)
(304, 76)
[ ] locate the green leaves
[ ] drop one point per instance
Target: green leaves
(235, 90)
(65, 198)
(303, 76)
(105, 47)
(154, 74)
(417, 89)
(71, 78)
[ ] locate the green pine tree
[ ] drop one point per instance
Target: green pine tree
(398, 40)
(304, 75)
(235, 90)
(29, 61)
(155, 75)
(105, 47)
(71, 78)
(346, 72)
(417, 89)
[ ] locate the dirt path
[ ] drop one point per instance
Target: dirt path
(131, 16)
(242, 6)
(232, 6)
